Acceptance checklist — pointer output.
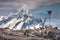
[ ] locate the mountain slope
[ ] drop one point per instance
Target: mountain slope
(20, 20)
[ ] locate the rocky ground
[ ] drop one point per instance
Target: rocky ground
(24, 38)
(29, 34)
(6, 34)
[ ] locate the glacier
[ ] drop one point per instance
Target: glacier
(20, 20)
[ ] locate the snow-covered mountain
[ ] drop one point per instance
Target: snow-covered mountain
(2, 17)
(20, 20)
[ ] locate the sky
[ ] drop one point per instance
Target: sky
(38, 8)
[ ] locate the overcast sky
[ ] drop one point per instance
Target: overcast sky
(38, 8)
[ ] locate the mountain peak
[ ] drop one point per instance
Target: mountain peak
(20, 20)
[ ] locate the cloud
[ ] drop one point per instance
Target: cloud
(6, 0)
(27, 4)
